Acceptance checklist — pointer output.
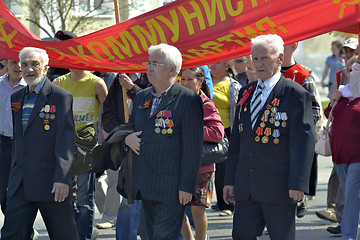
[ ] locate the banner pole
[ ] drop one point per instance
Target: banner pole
(124, 93)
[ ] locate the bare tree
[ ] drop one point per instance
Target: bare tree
(72, 15)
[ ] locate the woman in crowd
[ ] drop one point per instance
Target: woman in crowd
(225, 94)
(193, 78)
(335, 63)
(345, 144)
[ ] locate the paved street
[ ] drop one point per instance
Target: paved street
(308, 228)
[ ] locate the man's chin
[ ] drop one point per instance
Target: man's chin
(32, 83)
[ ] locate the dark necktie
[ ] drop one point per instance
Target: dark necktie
(256, 104)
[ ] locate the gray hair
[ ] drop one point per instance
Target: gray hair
(42, 52)
(172, 55)
(272, 40)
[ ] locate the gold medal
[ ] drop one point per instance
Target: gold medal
(283, 124)
(272, 120)
(267, 112)
(163, 131)
(265, 139)
(161, 119)
(245, 109)
(47, 127)
(169, 131)
(274, 109)
(257, 139)
(167, 121)
(276, 141)
(262, 124)
(157, 130)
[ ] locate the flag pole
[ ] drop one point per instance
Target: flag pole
(124, 93)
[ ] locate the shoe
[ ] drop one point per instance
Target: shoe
(34, 235)
(327, 215)
(106, 224)
(225, 213)
(334, 230)
(215, 207)
(95, 233)
(301, 210)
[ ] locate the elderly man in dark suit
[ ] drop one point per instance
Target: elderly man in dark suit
(271, 148)
(44, 143)
(167, 143)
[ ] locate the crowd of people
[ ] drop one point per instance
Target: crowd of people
(266, 105)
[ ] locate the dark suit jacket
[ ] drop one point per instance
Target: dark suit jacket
(168, 162)
(42, 157)
(267, 172)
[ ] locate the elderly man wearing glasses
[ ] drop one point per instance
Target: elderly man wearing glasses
(167, 142)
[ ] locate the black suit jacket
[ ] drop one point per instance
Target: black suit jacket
(168, 162)
(267, 172)
(42, 157)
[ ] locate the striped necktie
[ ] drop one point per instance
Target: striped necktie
(256, 104)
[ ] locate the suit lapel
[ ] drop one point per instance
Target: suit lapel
(40, 102)
(277, 92)
(168, 98)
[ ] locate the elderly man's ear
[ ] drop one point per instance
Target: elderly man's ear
(281, 59)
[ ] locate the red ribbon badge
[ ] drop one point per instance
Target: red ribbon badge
(15, 106)
(146, 105)
(245, 96)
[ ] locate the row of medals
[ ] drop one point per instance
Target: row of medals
(162, 121)
(275, 119)
(47, 113)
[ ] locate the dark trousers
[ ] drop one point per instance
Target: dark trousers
(220, 181)
(20, 215)
(313, 176)
(251, 217)
(333, 186)
(163, 219)
(5, 163)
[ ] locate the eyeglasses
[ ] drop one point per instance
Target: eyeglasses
(153, 65)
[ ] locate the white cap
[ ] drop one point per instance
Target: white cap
(351, 43)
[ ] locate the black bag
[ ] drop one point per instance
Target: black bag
(214, 152)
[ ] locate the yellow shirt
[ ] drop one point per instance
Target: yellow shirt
(86, 106)
(221, 98)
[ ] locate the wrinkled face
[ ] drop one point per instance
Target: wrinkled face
(33, 68)
(266, 63)
(14, 69)
(158, 70)
(189, 80)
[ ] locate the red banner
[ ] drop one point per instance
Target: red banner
(205, 31)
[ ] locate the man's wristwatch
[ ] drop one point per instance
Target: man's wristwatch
(125, 148)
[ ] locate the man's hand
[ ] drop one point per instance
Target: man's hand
(251, 73)
(184, 197)
(335, 98)
(296, 195)
(125, 81)
(105, 134)
(133, 141)
(61, 191)
(228, 194)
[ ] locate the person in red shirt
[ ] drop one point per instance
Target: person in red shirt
(193, 78)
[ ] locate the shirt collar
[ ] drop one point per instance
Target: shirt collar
(153, 92)
(38, 87)
(271, 82)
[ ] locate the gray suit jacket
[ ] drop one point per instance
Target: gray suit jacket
(42, 157)
(267, 171)
(168, 163)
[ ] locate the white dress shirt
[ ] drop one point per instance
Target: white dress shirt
(269, 86)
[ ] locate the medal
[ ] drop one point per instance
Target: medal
(272, 120)
(47, 116)
(262, 124)
(278, 116)
(284, 116)
(163, 131)
(265, 139)
(264, 117)
(52, 109)
(52, 116)
(167, 121)
(170, 125)
(277, 123)
(257, 138)
(47, 108)
(41, 115)
(276, 134)
(157, 130)
(274, 109)
(283, 124)
(275, 102)
(47, 127)
(267, 111)
(158, 115)
(241, 128)
(169, 131)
